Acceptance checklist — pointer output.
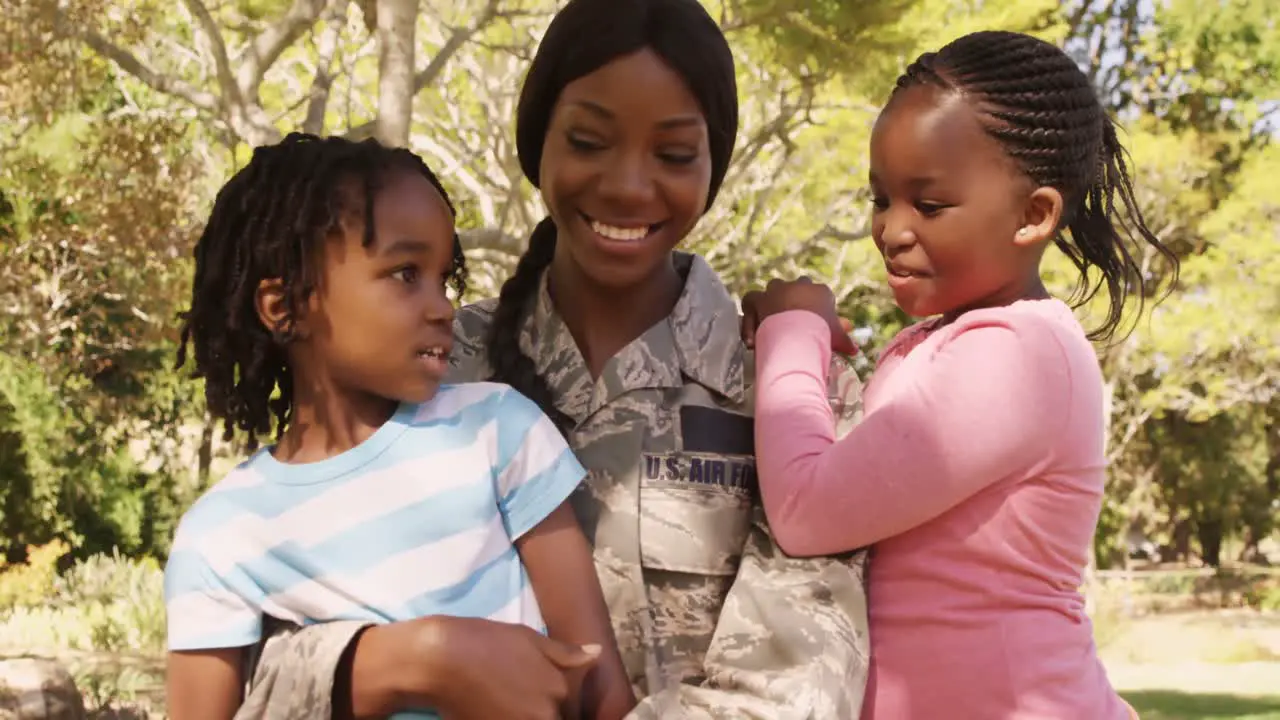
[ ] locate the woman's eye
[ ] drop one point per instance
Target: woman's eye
(583, 144)
(677, 158)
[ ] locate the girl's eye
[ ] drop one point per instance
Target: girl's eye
(929, 209)
(879, 203)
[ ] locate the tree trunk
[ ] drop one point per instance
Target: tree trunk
(1209, 537)
(397, 21)
(204, 456)
(1181, 541)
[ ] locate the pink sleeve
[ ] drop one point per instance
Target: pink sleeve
(985, 406)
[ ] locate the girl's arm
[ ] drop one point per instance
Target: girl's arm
(204, 685)
(988, 404)
(558, 559)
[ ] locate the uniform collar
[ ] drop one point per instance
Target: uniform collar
(699, 341)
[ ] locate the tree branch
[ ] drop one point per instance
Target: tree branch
(490, 239)
(127, 62)
(326, 47)
(457, 38)
(221, 61)
(428, 75)
(264, 49)
(397, 22)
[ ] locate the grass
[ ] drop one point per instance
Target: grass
(1204, 665)
(1193, 665)
(1174, 705)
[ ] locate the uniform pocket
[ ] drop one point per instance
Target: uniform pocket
(695, 512)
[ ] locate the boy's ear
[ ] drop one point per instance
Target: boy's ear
(273, 312)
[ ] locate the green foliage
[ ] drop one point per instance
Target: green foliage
(1214, 67)
(29, 440)
(819, 37)
(105, 603)
(107, 170)
(31, 584)
(122, 600)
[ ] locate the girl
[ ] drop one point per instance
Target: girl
(626, 124)
(388, 496)
(978, 469)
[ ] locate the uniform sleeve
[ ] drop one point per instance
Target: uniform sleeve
(292, 671)
(987, 404)
(535, 469)
(468, 361)
(205, 608)
(791, 640)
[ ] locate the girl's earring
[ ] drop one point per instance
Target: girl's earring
(1022, 232)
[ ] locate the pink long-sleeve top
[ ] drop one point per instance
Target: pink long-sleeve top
(977, 473)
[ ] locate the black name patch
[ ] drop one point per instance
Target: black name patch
(715, 431)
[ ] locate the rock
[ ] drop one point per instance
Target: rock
(37, 689)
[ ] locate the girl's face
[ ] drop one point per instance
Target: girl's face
(949, 208)
(625, 169)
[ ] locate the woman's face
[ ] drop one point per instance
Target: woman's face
(626, 169)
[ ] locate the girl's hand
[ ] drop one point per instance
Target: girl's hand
(800, 294)
(467, 669)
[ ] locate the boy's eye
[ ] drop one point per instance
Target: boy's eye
(407, 275)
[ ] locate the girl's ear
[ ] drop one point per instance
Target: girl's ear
(1043, 213)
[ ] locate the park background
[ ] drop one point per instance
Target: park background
(119, 119)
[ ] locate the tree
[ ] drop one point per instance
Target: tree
(1192, 387)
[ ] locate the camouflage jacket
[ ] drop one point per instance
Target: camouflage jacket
(712, 619)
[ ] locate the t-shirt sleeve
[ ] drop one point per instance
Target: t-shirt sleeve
(205, 610)
(535, 469)
(989, 404)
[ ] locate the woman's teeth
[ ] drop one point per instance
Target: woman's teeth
(433, 353)
(620, 233)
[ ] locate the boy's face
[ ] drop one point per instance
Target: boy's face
(379, 325)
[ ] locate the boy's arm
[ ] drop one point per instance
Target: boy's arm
(210, 618)
(535, 473)
(558, 559)
(203, 685)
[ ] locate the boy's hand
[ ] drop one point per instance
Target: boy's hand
(203, 685)
(471, 669)
(800, 294)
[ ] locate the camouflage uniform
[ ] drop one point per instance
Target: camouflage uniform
(713, 620)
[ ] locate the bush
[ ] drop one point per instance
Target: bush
(106, 603)
(97, 467)
(31, 584)
(1265, 595)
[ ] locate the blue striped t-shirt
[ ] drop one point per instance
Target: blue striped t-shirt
(417, 520)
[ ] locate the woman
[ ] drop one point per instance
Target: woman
(626, 124)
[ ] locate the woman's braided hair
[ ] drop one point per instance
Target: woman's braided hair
(270, 221)
(1044, 111)
(583, 37)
